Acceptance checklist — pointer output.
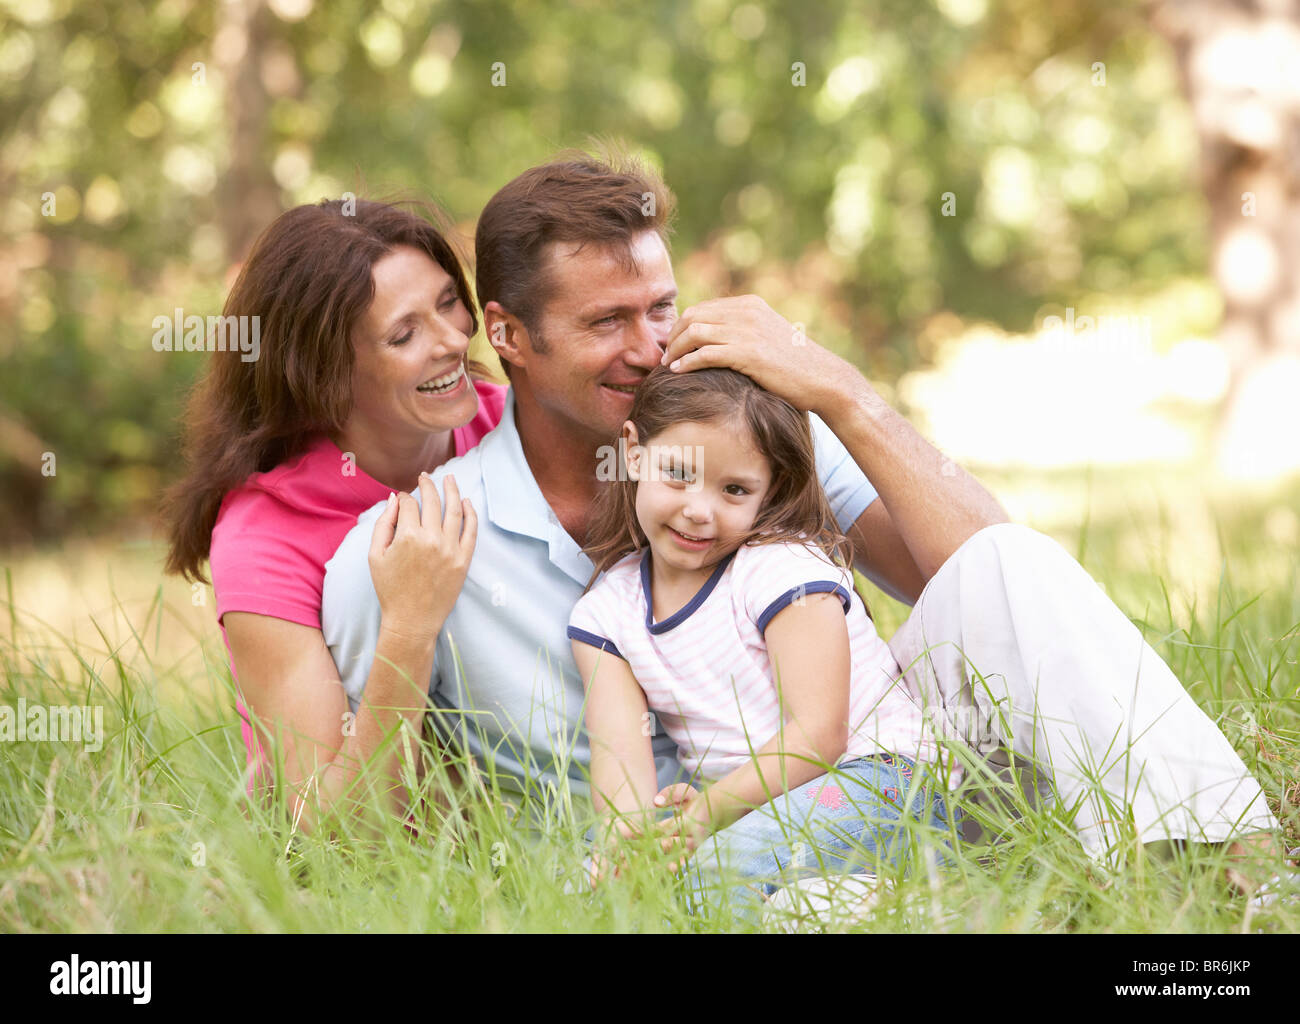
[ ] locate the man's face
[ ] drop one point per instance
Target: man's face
(602, 330)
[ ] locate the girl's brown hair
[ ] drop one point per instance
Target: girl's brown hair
(795, 509)
(308, 279)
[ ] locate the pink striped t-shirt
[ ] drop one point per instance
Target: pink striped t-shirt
(705, 669)
(275, 532)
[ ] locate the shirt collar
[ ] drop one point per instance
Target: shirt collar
(688, 609)
(514, 501)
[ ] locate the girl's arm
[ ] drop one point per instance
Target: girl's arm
(623, 782)
(808, 644)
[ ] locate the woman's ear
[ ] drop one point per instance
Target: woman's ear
(631, 450)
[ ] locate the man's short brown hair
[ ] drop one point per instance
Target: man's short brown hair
(575, 198)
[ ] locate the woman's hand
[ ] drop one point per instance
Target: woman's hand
(419, 555)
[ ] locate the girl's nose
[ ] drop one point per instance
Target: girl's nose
(698, 511)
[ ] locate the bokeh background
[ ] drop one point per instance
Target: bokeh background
(1064, 239)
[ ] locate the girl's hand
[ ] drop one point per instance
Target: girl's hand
(679, 794)
(419, 556)
(689, 826)
(607, 856)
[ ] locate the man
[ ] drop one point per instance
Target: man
(1011, 643)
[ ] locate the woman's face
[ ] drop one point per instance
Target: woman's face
(409, 377)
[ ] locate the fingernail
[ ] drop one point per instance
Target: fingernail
(391, 498)
(674, 364)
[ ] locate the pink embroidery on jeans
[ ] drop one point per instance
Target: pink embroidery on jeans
(828, 796)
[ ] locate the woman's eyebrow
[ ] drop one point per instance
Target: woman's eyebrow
(398, 318)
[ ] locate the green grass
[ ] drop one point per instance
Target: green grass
(154, 833)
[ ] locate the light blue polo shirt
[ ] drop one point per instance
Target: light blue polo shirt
(504, 680)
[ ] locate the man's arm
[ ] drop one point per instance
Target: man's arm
(928, 505)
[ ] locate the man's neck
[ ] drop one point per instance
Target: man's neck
(396, 462)
(562, 461)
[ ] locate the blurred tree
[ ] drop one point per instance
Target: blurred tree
(1239, 62)
(881, 174)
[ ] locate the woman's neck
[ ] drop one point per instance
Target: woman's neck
(395, 462)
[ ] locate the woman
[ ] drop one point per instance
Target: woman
(361, 387)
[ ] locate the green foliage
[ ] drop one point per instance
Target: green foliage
(828, 196)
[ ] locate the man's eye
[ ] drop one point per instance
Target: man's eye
(605, 321)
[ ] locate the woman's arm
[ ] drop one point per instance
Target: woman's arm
(291, 684)
(808, 645)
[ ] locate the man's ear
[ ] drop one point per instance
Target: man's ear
(631, 450)
(505, 333)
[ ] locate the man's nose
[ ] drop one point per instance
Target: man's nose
(646, 342)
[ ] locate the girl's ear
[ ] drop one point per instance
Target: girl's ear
(631, 451)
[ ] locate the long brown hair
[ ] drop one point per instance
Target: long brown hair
(308, 279)
(795, 509)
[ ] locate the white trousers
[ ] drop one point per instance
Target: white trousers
(1013, 645)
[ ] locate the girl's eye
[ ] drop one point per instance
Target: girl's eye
(735, 489)
(678, 473)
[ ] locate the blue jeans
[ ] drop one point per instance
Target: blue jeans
(861, 817)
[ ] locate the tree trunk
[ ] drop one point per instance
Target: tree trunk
(249, 195)
(1239, 61)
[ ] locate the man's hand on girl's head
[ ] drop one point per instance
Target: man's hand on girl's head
(744, 333)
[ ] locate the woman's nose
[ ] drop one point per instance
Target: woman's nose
(447, 334)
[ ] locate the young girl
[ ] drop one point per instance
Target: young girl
(725, 610)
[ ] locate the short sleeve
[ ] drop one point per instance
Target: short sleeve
(771, 577)
(263, 569)
(846, 486)
(592, 623)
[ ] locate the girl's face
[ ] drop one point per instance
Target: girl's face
(700, 486)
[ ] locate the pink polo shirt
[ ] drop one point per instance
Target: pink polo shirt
(275, 532)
